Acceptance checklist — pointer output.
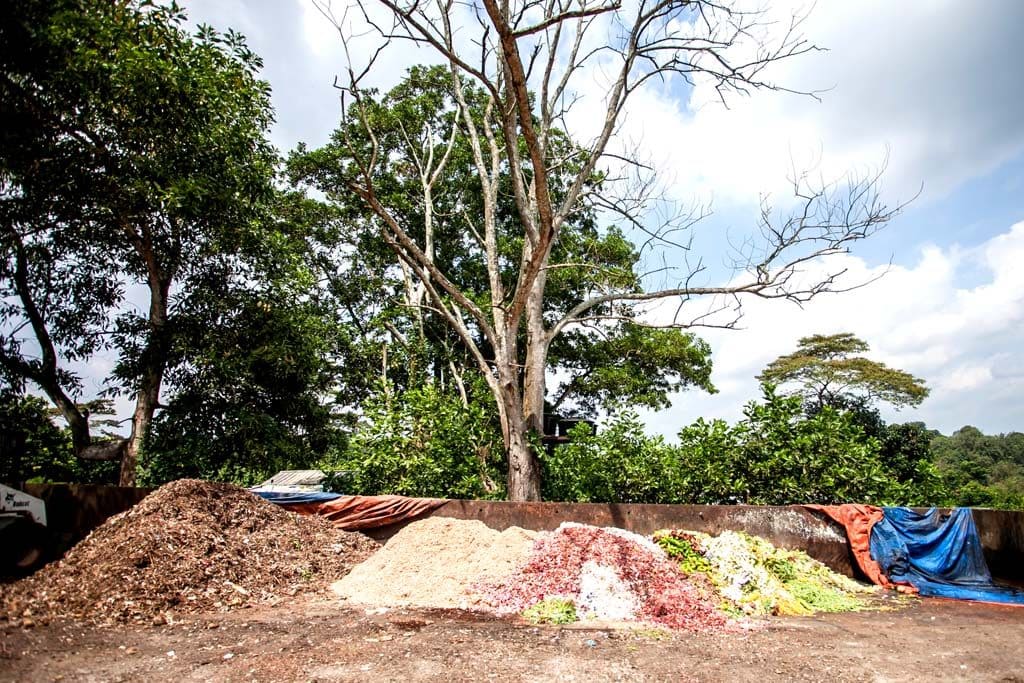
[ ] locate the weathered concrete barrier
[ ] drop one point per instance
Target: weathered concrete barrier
(73, 510)
(1002, 539)
(790, 527)
(76, 509)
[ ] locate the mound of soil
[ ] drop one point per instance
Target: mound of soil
(433, 563)
(190, 546)
(608, 574)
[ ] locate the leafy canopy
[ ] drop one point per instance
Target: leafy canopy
(777, 455)
(135, 161)
(601, 365)
(829, 372)
(424, 441)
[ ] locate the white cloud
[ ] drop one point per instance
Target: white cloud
(933, 87)
(964, 341)
(966, 377)
(302, 53)
(320, 35)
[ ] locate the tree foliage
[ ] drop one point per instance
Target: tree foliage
(619, 464)
(134, 160)
(828, 373)
(904, 449)
(514, 75)
(777, 455)
(424, 442)
(249, 401)
(979, 469)
(434, 190)
(33, 448)
(632, 366)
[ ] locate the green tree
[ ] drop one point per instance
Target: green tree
(618, 464)
(828, 373)
(424, 441)
(905, 452)
(250, 399)
(980, 470)
(33, 448)
(615, 362)
(631, 365)
(904, 449)
(523, 157)
(428, 176)
(777, 455)
(134, 160)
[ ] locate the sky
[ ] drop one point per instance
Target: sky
(926, 89)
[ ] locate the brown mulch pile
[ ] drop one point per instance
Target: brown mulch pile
(190, 546)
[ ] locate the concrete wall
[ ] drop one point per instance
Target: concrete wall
(74, 510)
(1002, 539)
(788, 527)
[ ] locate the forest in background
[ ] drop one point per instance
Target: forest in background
(397, 306)
(424, 442)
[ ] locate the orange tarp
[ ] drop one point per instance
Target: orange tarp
(858, 521)
(355, 513)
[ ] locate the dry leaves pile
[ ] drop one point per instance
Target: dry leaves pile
(189, 546)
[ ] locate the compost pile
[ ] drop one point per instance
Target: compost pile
(189, 546)
(434, 562)
(755, 578)
(583, 571)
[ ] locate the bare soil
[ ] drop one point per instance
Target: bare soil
(328, 641)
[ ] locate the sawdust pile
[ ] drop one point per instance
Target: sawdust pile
(433, 563)
(189, 546)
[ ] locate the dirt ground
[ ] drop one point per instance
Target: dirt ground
(323, 641)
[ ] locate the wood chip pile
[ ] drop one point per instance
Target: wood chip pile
(190, 546)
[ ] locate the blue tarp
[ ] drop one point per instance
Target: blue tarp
(283, 498)
(940, 555)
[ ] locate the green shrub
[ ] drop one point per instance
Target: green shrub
(777, 455)
(619, 464)
(424, 442)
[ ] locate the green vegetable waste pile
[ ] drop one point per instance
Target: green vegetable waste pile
(755, 578)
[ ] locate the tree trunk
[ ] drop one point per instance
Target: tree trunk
(525, 407)
(148, 397)
(534, 386)
(523, 465)
(532, 408)
(145, 405)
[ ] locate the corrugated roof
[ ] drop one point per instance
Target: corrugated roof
(296, 478)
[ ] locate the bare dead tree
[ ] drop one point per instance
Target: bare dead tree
(528, 57)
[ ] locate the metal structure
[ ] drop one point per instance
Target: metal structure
(24, 538)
